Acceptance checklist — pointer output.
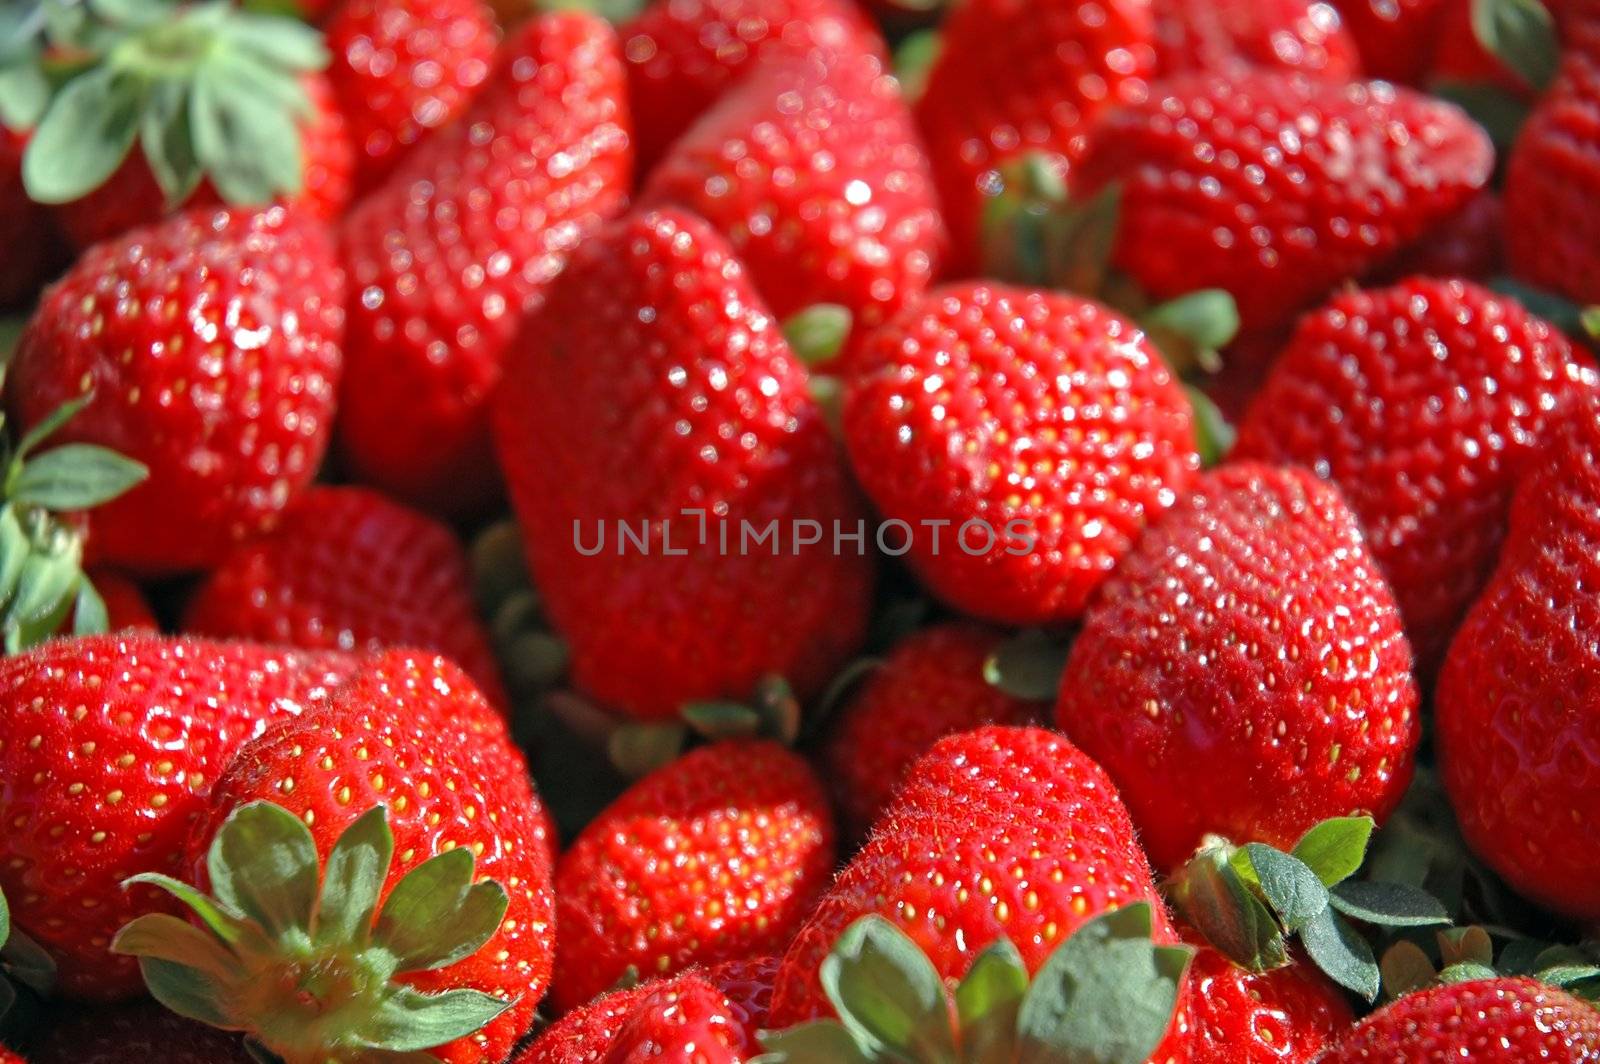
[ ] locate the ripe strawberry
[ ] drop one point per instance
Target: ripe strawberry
(1015, 76)
(408, 733)
(748, 825)
(1303, 35)
(1485, 1019)
(1275, 187)
(687, 1020)
(683, 56)
(348, 569)
(813, 171)
(143, 1031)
(112, 744)
(1424, 403)
(931, 685)
(1517, 724)
(447, 258)
(1243, 672)
(402, 68)
(656, 390)
(1469, 244)
(1038, 415)
(210, 343)
(997, 832)
(23, 225)
(1284, 1016)
(1395, 37)
(132, 196)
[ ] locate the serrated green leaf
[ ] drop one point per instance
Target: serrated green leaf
(249, 148)
(436, 915)
(89, 614)
(1028, 666)
(987, 1003)
(1388, 904)
(353, 880)
(263, 865)
(1521, 34)
(1335, 848)
(818, 1042)
(888, 994)
(1342, 954)
(1214, 898)
(76, 476)
(1291, 888)
(83, 137)
(408, 1021)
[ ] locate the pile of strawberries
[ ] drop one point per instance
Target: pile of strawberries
(800, 531)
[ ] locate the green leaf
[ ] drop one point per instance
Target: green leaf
(50, 423)
(722, 720)
(159, 936)
(408, 1021)
(1214, 898)
(1466, 972)
(232, 929)
(76, 476)
(353, 881)
(1335, 848)
(639, 749)
(1214, 436)
(26, 962)
(1388, 904)
(1567, 975)
(436, 915)
(1521, 34)
(817, 333)
(45, 590)
(249, 147)
(1405, 968)
(24, 93)
(285, 43)
(1105, 996)
(186, 991)
(987, 1003)
(818, 1042)
(1291, 887)
(83, 137)
(89, 614)
(263, 864)
(888, 994)
(1028, 666)
(1341, 953)
(14, 551)
(167, 142)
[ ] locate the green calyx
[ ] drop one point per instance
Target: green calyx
(1463, 954)
(1028, 665)
(305, 960)
(1250, 901)
(23, 962)
(41, 555)
(772, 712)
(818, 333)
(1105, 996)
(207, 92)
(1522, 35)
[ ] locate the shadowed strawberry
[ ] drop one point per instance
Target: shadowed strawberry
(120, 1035)
(23, 224)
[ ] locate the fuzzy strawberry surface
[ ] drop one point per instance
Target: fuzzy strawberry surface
(411, 732)
(348, 569)
(210, 343)
(1425, 403)
(127, 1034)
(1284, 1016)
(112, 745)
(748, 824)
(1251, 651)
(458, 246)
(656, 382)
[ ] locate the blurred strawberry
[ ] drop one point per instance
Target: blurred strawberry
(23, 225)
(1303, 35)
(144, 1031)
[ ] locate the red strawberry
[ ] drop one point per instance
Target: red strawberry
(111, 744)
(1284, 1016)
(1014, 415)
(930, 686)
(682, 56)
(1469, 244)
(656, 387)
(685, 1021)
(1243, 672)
(1016, 76)
(132, 197)
(1424, 403)
(23, 225)
(997, 832)
(140, 1032)
(813, 171)
(1395, 37)
(410, 734)
(1510, 1020)
(1276, 187)
(350, 570)
(210, 343)
(1517, 711)
(748, 827)
(402, 68)
(125, 603)
(1554, 175)
(453, 251)
(1303, 35)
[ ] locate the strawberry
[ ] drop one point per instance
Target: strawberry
(1483, 1019)
(402, 68)
(23, 224)
(657, 391)
(210, 344)
(465, 906)
(1285, 1016)
(348, 569)
(1395, 37)
(1243, 673)
(1040, 428)
(998, 832)
(687, 1020)
(1275, 187)
(749, 826)
(112, 744)
(1016, 76)
(683, 56)
(1424, 403)
(142, 1031)
(1517, 726)
(1303, 35)
(1469, 244)
(813, 171)
(457, 246)
(126, 606)
(930, 685)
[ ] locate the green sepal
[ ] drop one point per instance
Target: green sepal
(988, 1002)
(1342, 954)
(888, 995)
(1027, 220)
(818, 333)
(75, 476)
(817, 1042)
(1405, 968)
(1191, 330)
(639, 749)
(1521, 34)
(1214, 436)
(89, 613)
(773, 712)
(24, 91)
(436, 915)
(408, 1021)
(1029, 666)
(1335, 848)
(1214, 898)
(1466, 972)
(1388, 904)
(263, 865)
(914, 60)
(353, 880)
(1499, 111)
(83, 137)
(1291, 888)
